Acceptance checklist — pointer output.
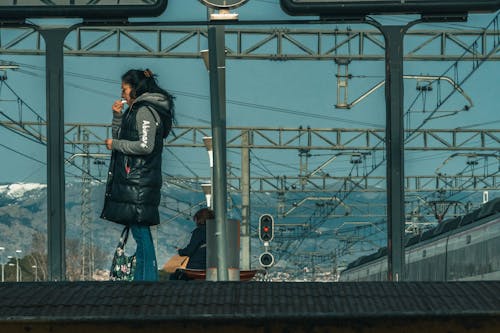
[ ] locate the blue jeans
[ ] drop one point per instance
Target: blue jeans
(146, 267)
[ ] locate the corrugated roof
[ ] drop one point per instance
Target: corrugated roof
(179, 300)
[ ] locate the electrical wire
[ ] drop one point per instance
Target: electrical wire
(182, 162)
(234, 102)
(495, 121)
(20, 100)
(476, 65)
(264, 168)
(22, 154)
(40, 118)
(32, 159)
(31, 174)
(276, 163)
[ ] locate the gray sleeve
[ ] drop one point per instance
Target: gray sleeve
(146, 125)
(116, 123)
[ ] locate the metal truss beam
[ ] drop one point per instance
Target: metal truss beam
(338, 139)
(266, 43)
(427, 183)
(318, 184)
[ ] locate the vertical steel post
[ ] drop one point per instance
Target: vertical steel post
(233, 247)
(56, 224)
(245, 201)
(2, 249)
(394, 150)
(211, 270)
(17, 269)
(217, 71)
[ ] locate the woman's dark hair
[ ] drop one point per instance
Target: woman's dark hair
(144, 81)
(203, 215)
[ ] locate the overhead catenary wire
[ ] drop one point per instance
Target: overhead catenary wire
(38, 140)
(493, 121)
(342, 195)
(30, 158)
(182, 162)
(296, 247)
(114, 81)
(23, 154)
(264, 167)
(231, 101)
(476, 65)
(26, 136)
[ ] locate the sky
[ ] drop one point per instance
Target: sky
(260, 93)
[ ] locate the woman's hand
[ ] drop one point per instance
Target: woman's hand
(117, 106)
(109, 143)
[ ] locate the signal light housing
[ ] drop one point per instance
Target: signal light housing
(266, 259)
(266, 227)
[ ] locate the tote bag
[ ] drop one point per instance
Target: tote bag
(176, 262)
(122, 266)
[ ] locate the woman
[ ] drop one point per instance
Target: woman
(196, 250)
(134, 178)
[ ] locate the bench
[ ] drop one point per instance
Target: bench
(200, 274)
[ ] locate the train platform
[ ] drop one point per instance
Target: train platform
(200, 306)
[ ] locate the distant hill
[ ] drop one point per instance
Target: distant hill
(23, 212)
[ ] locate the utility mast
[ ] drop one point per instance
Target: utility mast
(87, 246)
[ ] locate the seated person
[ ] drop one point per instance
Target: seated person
(196, 250)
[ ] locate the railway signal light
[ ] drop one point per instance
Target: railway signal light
(266, 259)
(266, 227)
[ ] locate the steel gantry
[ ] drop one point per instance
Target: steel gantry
(252, 43)
(338, 139)
(341, 140)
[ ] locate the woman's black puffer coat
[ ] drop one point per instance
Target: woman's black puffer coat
(133, 188)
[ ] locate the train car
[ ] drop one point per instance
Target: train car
(368, 268)
(462, 248)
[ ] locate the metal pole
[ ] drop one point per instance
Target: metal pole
(233, 247)
(394, 150)
(17, 269)
(2, 249)
(216, 47)
(245, 202)
(56, 224)
(36, 272)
